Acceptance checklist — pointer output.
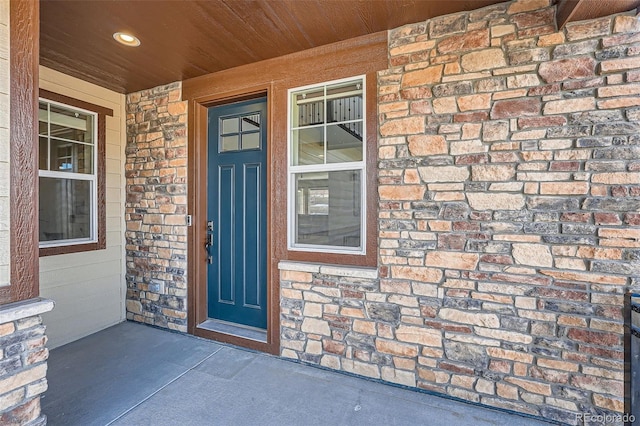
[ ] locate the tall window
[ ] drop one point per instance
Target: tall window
(68, 163)
(327, 167)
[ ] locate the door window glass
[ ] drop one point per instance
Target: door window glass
(240, 133)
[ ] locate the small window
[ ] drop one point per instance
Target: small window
(240, 133)
(70, 162)
(327, 167)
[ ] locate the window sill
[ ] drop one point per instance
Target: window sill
(369, 260)
(335, 270)
(74, 248)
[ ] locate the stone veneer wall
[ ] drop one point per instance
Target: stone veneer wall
(156, 207)
(508, 217)
(23, 362)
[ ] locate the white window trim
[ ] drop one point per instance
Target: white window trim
(76, 176)
(330, 167)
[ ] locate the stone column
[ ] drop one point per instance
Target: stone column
(23, 361)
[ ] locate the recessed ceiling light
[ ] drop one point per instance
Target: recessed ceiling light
(126, 39)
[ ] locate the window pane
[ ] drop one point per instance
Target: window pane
(229, 143)
(43, 154)
(72, 125)
(43, 117)
(328, 208)
(344, 102)
(308, 146)
(308, 107)
(65, 209)
(344, 142)
(71, 157)
(250, 140)
(230, 125)
(251, 123)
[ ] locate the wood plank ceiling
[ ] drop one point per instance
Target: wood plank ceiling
(185, 39)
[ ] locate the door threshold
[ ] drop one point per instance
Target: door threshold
(232, 329)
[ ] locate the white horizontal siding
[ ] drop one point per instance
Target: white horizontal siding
(89, 287)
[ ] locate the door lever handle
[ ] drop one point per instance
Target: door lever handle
(207, 245)
(209, 242)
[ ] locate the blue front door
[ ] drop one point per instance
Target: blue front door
(237, 274)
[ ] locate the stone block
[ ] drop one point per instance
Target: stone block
(444, 174)
(330, 361)
(515, 108)
(452, 260)
(23, 378)
(360, 368)
(447, 105)
(296, 276)
(416, 273)
(427, 145)
(481, 60)
(529, 56)
(510, 355)
(364, 327)
(535, 18)
(618, 178)
(588, 29)
(11, 399)
(564, 188)
(474, 102)
(471, 318)
(420, 335)
(598, 385)
(566, 69)
(522, 80)
(134, 306)
(467, 353)
(452, 89)
(418, 46)
(471, 40)
(316, 326)
(569, 105)
(495, 131)
(626, 24)
(505, 335)
(502, 30)
(493, 172)
(526, 6)
(448, 24)
(385, 312)
(396, 348)
(551, 39)
(404, 192)
(507, 391)
(616, 65)
(429, 75)
(530, 386)
(405, 378)
(313, 310)
(467, 147)
(403, 126)
(620, 90)
(495, 201)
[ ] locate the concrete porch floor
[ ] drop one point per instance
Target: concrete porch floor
(132, 374)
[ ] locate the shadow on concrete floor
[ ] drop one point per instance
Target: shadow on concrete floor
(132, 374)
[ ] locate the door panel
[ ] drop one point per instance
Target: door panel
(225, 233)
(251, 255)
(237, 275)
